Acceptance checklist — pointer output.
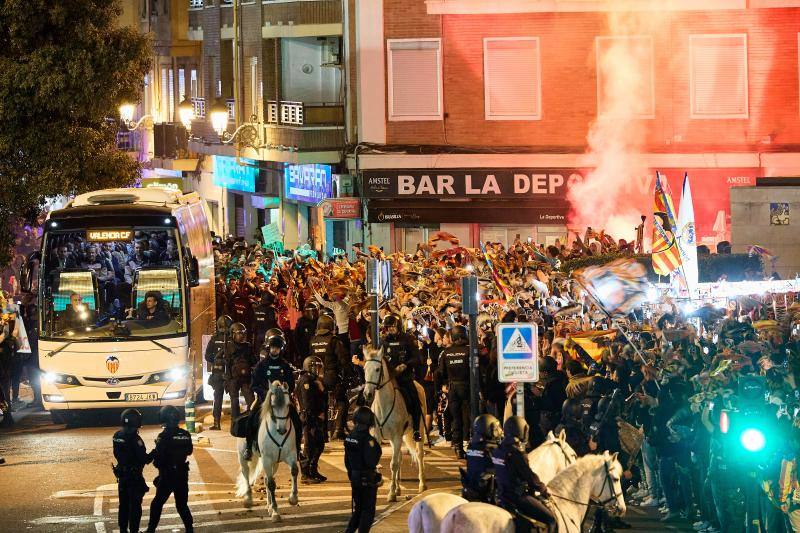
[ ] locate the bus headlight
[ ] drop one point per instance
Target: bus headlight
(174, 374)
(64, 379)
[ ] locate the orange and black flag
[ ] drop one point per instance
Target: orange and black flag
(666, 255)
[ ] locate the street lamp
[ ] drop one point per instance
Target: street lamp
(126, 110)
(186, 114)
(219, 117)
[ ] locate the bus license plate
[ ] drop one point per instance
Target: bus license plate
(141, 397)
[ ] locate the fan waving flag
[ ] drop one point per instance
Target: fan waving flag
(666, 255)
(618, 287)
(501, 285)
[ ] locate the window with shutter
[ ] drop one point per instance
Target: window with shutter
(718, 76)
(512, 78)
(415, 79)
(625, 77)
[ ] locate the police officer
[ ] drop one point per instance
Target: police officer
(572, 424)
(271, 367)
(215, 357)
(263, 318)
(173, 447)
(361, 456)
(312, 399)
(454, 370)
(402, 356)
(131, 456)
(305, 329)
(516, 482)
(333, 354)
(239, 361)
(478, 479)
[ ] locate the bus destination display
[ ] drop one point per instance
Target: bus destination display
(103, 235)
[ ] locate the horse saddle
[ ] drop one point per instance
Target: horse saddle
(239, 427)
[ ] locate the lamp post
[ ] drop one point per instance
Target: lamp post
(186, 114)
(126, 111)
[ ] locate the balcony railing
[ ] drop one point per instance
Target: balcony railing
(230, 103)
(196, 4)
(199, 106)
(304, 113)
(129, 141)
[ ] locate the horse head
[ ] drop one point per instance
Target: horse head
(277, 402)
(375, 373)
(606, 488)
(561, 441)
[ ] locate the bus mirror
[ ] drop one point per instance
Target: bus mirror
(194, 272)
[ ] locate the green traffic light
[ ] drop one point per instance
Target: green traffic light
(753, 440)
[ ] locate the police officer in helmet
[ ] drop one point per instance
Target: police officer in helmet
(572, 424)
(361, 456)
(131, 456)
(305, 329)
(272, 367)
(239, 362)
(263, 318)
(336, 363)
(173, 447)
(312, 399)
(478, 479)
(454, 371)
(215, 358)
(516, 482)
(403, 357)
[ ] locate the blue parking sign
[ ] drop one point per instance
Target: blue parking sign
(518, 352)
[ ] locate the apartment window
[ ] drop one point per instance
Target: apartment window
(512, 78)
(415, 79)
(171, 96)
(193, 85)
(625, 77)
(254, 86)
(181, 84)
(718, 76)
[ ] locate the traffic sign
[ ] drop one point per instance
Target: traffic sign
(518, 352)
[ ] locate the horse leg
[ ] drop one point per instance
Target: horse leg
(273, 502)
(294, 469)
(243, 488)
(416, 449)
(394, 465)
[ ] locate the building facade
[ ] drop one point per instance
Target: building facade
(493, 120)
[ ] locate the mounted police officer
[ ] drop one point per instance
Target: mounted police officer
(239, 361)
(402, 356)
(131, 456)
(331, 351)
(454, 370)
(173, 447)
(313, 400)
(272, 367)
(305, 329)
(215, 357)
(516, 482)
(478, 479)
(361, 456)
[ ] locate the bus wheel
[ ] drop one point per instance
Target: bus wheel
(59, 416)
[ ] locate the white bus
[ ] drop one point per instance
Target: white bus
(126, 294)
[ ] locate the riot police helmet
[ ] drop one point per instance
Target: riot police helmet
(326, 312)
(486, 428)
(392, 321)
(224, 323)
(325, 323)
(571, 410)
(273, 332)
(363, 417)
(313, 365)
(170, 416)
(458, 334)
(131, 418)
(515, 430)
(277, 342)
(311, 310)
(238, 332)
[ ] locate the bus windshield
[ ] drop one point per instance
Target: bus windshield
(112, 282)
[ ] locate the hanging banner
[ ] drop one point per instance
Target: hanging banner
(341, 208)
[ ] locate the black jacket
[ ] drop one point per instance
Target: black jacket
(173, 446)
(271, 369)
(513, 476)
(362, 453)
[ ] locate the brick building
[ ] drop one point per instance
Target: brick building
(479, 125)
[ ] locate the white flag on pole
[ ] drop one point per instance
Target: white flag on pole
(687, 237)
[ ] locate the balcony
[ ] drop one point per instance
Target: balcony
(305, 114)
(199, 107)
(196, 4)
(301, 18)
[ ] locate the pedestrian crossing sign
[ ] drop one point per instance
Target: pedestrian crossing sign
(518, 352)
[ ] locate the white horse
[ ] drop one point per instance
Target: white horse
(593, 478)
(393, 421)
(276, 444)
(427, 514)
(552, 456)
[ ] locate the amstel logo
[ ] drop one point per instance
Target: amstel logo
(112, 364)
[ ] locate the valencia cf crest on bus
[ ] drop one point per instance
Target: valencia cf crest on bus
(112, 364)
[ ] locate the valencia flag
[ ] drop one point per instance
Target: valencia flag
(666, 255)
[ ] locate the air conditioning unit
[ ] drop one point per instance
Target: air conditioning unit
(331, 52)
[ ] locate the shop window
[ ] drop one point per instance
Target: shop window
(718, 76)
(636, 88)
(415, 79)
(239, 222)
(512, 78)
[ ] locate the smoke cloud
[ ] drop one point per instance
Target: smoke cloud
(610, 196)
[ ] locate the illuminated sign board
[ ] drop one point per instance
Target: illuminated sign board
(307, 183)
(265, 202)
(103, 235)
(237, 177)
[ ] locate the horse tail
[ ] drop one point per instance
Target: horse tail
(243, 482)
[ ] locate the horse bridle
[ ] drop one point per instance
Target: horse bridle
(378, 386)
(603, 503)
(275, 419)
